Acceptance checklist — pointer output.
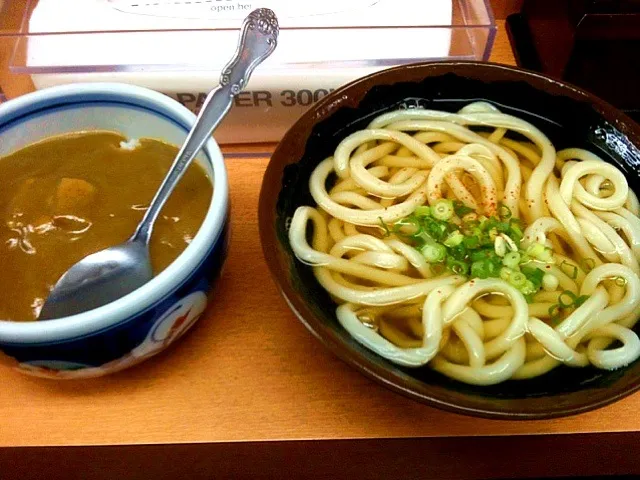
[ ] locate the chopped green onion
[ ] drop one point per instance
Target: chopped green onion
(588, 264)
(515, 230)
(517, 279)
(458, 252)
(384, 226)
(435, 228)
(502, 227)
(487, 223)
(433, 252)
(480, 269)
(511, 259)
(457, 267)
(500, 246)
(566, 299)
(534, 275)
(423, 211)
(504, 212)
(540, 252)
(461, 209)
(606, 185)
(620, 281)
(476, 246)
(510, 243)
(409, 221)
(505, 273)
(535, 249)
(471, 219)
(485, 239)
(580, 300)
(471, 242)
(454, 239)
(528, 289)
(569, 269)
(494, 268)
(550, 282)
(423, 237)
(483, 254)
(546, 256)
(442, 209)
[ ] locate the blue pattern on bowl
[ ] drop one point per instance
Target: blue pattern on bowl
(114, 348)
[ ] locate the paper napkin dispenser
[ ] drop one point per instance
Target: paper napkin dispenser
(178, 47)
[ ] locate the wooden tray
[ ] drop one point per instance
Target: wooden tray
(249, 392)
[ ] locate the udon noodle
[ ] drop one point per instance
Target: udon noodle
(466, 243)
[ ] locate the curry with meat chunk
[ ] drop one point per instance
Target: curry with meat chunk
(69, 196)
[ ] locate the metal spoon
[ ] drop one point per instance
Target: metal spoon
(107, 275)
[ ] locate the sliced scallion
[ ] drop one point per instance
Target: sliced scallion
(505, 273)
(454, 239)
(588, 264)
(510, 243)
(550, 282)
(458, 267)
(480, 269)
(423, 211)
(500, 246)
(385, 227)
(535, 249)
(546, 256)
(529, 288)
(580, 300)
(517, 279)
(471, 242)
(433, 252)
(461, 209)
(621, 281)
(511, 259)
(566, 299)
(504, 212)
(442, 209)
(569, 269)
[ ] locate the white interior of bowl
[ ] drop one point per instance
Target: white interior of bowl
(136, 113)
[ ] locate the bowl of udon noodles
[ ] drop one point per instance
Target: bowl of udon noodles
(466, 234)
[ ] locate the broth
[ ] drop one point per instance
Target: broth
(72, 195)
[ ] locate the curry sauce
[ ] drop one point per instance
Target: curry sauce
(72, 195)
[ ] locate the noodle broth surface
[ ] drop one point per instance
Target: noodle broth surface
(69, 196)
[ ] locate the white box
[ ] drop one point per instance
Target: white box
(179, 46)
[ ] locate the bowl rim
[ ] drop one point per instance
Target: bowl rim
(146, 297)
(266, 214)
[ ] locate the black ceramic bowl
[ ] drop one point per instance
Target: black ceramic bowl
(568, 115)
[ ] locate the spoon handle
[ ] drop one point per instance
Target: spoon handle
(258, 38)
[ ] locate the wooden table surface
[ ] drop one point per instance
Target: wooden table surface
(249, 391)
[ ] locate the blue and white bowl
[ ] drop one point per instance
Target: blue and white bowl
(146, 321)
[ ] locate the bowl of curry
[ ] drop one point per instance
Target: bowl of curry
(79, 165)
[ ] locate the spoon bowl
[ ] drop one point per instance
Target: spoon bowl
(101, 278)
